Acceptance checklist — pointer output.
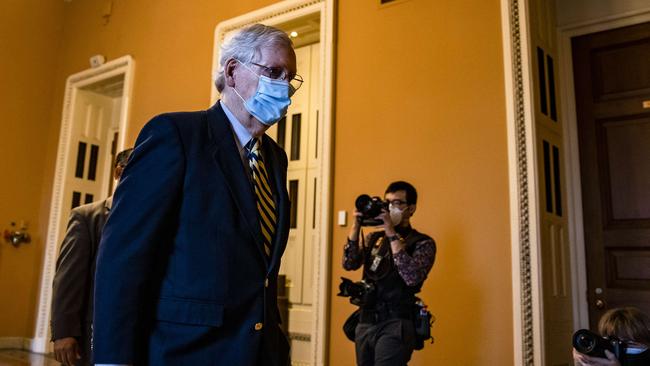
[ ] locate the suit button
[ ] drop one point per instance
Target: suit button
(258, 326)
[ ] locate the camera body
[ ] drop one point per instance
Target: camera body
(370, 207)
(361, 293)
(591, 344)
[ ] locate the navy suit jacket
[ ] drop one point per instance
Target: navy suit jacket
(182, 277)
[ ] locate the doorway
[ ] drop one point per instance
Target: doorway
(93, 128)
(612, 88)
(306, 136)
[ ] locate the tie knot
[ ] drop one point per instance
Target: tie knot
(253, 145)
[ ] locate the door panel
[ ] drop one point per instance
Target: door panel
(297, 134)
(88, 171)
(612, 80)
(556, 301)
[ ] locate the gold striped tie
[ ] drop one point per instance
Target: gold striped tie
(263, 193)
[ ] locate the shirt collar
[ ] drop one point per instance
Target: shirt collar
(242, 134)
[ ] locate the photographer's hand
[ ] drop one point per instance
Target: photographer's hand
(389, 229)
(584, 360)
(353, 235)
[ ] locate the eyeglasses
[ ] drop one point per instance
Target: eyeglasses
(278, 73)
(397, 202)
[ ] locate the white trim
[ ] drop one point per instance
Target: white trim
(512, 178)
(16, 343)
(572, 171)
(533, 197)
(522, 189)
(517, 321)
(276, 14)
(123, 65)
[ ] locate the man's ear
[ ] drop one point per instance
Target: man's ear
(412, 208)
(229, 72)
(117, 173)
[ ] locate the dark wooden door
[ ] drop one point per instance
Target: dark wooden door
(612, 83)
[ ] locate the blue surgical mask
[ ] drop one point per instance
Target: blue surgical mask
(270, 101)
(635, 350)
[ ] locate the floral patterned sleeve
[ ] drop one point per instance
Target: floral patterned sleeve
(353, 255)
(414, 268)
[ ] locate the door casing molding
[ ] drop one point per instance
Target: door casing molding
(522, 173)
(124, 65)
(572, 172)
(274, 15)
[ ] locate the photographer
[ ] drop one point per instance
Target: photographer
(396, 261)
(632, 328)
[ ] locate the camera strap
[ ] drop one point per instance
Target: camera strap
(378, 251)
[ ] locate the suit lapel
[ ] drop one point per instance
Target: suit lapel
(227, 159)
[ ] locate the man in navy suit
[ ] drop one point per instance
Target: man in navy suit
(189, 258)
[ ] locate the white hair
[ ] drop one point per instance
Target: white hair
(246, 45)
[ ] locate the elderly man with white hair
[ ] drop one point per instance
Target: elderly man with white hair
(189, 259)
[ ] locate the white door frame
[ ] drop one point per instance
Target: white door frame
(277, 14)
(574, 190)
(122, 66)
(522, 172)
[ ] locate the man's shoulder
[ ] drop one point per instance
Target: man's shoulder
(188, 123)
(181, 119)
(419, 237)
(89, 208)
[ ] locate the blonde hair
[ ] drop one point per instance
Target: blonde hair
(627, 323)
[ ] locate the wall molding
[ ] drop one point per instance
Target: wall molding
(527, 338)
(123, 65)
(16, 343)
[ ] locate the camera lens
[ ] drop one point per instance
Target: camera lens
(584, 342)
(590, 343)
(363, 203)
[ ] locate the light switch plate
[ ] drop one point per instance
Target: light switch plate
(343, 218)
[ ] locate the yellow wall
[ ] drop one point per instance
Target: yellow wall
(29, 40)
(420, 97)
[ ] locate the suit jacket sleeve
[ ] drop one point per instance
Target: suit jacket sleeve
(140, 226)
(70, 283)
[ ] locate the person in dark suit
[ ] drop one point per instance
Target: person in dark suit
(188, 265)
(72, 296)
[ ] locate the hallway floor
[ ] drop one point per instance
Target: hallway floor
(14, 357)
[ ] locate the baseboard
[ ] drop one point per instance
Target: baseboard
(16, 343)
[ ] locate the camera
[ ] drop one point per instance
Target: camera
(591, 344)
(361, 293)
(370, 207)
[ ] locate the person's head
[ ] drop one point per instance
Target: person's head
(120, 163)
(628, 324)
(402, 198)
(257, 60)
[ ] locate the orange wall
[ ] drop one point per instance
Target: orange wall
(420, 97)
(29, 40)
(171, 42)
